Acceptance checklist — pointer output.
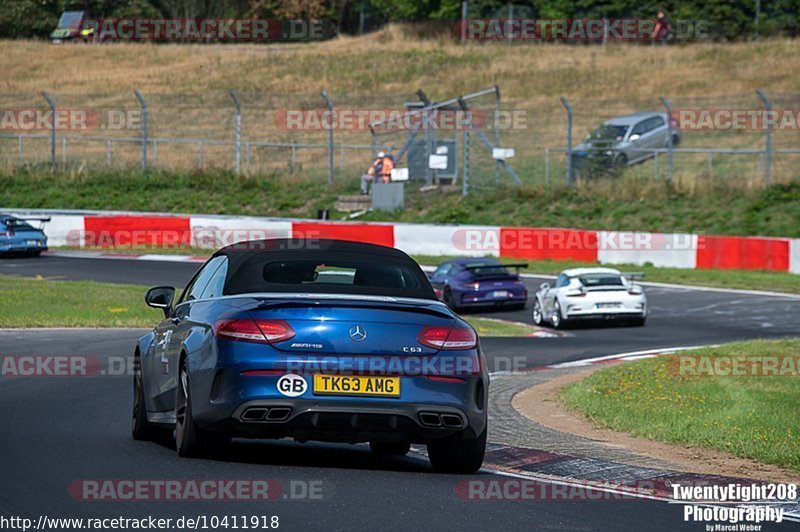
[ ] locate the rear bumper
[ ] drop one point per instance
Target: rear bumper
(595, 315)
(353, 421)
(426, 410)
(20, 248)
(469, 300)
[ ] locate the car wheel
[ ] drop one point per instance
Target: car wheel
(448, 299)
(638, 322)
(538, 316)
(35, 253)
(140, 426)
(558, 321)
(191, 440)
(457, 456)
(621, 160)
(390, 448)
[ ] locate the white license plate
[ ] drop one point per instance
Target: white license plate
(608, 305)
(33, 243)
(500, 293)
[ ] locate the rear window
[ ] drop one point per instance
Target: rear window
(260, 273)
(600, 280)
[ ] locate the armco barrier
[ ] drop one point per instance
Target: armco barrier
(678, 250)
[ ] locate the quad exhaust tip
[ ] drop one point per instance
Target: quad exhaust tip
(257, 414)
(434, 419)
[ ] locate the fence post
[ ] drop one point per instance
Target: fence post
(52, 104)
(465, 158)
(768, 137)
(668, 106)
(329, 104)
(568, 107)
(144, 127)
(463, 21)
(757, 19)
(508, 23)
(547, 166)
(497, 112)
(238, 156)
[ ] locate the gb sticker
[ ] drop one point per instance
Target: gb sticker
(292, 385)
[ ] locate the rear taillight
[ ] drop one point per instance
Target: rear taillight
(260, 331)
(576, 293)
(447, 337)
(6, 233)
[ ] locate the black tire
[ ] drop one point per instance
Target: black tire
(457, 456)
(448, 300)
(35, 253)
(141, 429)
(557, 319)
(638, 322)
(621, 160)
(390, 448)
(192, 441)
(538, 316)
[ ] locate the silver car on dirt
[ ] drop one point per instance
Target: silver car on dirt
(590, 293)
(628, 139)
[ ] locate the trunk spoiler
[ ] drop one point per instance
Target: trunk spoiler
(634, 276)
(517, 265)
(432, 308)
(41, 219)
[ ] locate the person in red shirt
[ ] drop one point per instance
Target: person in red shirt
(661, 30)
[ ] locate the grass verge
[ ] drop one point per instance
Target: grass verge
(624, 204)
(35, 302)
(753, 417)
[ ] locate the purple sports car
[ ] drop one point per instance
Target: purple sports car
(479, 282)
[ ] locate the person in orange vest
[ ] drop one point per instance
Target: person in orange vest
(381, 169)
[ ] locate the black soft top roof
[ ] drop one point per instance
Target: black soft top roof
(246, 262)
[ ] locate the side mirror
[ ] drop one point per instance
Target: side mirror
(544, 286)
(160, 297)
(634, 137)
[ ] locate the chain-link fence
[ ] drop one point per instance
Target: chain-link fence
(461, 140)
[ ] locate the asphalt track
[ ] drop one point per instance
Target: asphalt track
(59, 430)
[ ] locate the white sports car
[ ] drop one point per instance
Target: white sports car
(590, 293)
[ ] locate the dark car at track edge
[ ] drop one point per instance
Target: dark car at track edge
(479, 282)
